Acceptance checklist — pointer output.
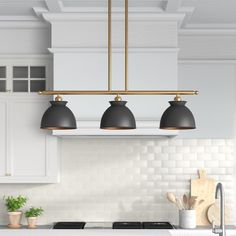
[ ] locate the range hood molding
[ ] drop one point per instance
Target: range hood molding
(91, 127)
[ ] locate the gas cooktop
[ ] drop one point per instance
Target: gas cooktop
(114, 225)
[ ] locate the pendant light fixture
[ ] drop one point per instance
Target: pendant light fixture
(118, 116)
(58, 116)
(177, 116)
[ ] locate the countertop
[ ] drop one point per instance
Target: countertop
(104, 229)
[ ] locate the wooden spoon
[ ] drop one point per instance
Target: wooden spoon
(192, 201)
(180, 203)
(172, 198)
(185, 201)
(193, 204)
(200, 202)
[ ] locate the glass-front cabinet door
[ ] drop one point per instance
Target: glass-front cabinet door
(3, 78)
(24, 76)
(28, 79)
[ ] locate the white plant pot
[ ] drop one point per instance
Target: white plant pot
(14, 219)
(187, 219)
(32, 222)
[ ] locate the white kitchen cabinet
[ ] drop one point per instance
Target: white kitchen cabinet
(27, 153)
(3, 137)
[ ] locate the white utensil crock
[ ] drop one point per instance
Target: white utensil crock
(187, 219)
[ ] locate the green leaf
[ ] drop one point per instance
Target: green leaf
(34, 212)
(14, 203)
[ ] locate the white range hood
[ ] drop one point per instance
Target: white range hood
(91, 128)
(79, 48)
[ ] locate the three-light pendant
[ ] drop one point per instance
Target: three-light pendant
(118, 116)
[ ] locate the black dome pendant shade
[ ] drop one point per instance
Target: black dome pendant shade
(177, 116)
(58, 116)
(118, 116)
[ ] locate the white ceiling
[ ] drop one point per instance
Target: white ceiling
(201, 13)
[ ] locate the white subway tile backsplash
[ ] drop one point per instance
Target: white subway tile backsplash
(190, 142)
(189, 156)
(226, 149)
(211, 149)
(183, 164)
(127, 179)
(183, 149)
(217, 171)
(169, 149)
(197, 164)
(169, 164)
(176, 157)
(197, 149)
(204, 156)
(212, 164)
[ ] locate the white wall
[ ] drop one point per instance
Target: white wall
(24, 38)
(126, 179)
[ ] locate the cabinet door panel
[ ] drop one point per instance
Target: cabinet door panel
(3, 137)
(28, 142)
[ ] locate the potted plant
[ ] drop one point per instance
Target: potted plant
(13, 205)
(32, 216)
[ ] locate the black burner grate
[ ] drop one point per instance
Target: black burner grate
(127, 225)
(157, 225)
(69, 225)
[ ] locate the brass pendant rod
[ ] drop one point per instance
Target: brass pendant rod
(121, 92)
(126, 42)
(109, 45)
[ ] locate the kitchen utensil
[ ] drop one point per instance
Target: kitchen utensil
(213, 213)
(180, 203)
(172, 198)
(196, 203)
(185, 201)
(203, 188)
(192, 201)
(200, 202)
(193, 205)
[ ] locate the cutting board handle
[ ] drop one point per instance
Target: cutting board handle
(202, 174)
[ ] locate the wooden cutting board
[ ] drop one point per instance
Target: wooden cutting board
(203, 188)
(213, 213)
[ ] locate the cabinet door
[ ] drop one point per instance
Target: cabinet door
(3, 137)
(30, 156)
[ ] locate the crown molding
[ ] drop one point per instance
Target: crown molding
(207, 32)
(211, 26)
(206, 61)
(55, 17)
(114, 50)
(25, 22)
(26, 56)
(14, 24)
